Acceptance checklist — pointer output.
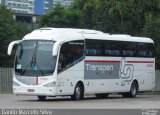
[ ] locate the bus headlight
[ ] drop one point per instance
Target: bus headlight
(15, 83)
(51, 84)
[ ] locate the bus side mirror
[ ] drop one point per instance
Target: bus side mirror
(55, 48)
(10, 47)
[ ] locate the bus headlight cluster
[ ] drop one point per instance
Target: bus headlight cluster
(51, 84)
(15, 83)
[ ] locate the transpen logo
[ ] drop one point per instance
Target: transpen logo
(102, 68)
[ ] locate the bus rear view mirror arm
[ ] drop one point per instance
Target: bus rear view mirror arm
(56, 47)
(10, 47)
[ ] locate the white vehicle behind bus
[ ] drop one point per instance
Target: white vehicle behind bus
(75, 62)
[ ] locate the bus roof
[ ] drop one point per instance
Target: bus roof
(67, 34)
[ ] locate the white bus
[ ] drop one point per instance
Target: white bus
(75, 62)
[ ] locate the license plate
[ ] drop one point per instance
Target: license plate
(30, 90)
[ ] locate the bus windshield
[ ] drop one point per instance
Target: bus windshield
(34, 58)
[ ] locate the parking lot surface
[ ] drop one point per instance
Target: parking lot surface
(11, 101)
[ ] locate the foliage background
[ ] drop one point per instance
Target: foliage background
(134, 17)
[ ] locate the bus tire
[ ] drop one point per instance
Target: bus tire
(102, 95)
(78, 93)
(41, 98)
(133, 91)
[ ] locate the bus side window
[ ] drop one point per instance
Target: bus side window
(146, 50)
(111, 48)
(94, 47)
(70, 53)
(128, 49)
(77, 50)
(141, 50)
(149, 50)
(62, 57)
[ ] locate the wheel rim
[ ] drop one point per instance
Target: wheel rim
(78, 92)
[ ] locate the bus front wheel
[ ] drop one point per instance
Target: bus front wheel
(78, 93)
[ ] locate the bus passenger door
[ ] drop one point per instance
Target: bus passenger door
(62, 77)
(71, 53)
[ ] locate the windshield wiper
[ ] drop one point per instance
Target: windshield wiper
(34, 63)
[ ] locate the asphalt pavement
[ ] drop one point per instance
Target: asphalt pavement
(114, 104)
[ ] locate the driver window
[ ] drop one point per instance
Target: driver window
(70, 54)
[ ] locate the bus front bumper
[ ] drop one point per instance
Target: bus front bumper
(34, 91)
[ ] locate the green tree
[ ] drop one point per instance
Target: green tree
(61, 17)
(6, 33)
(152, 30)
(10, 30)
(87, 8)
(134, 17)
